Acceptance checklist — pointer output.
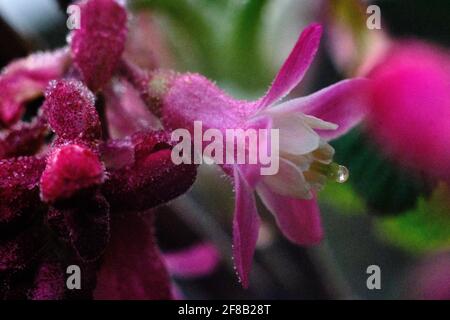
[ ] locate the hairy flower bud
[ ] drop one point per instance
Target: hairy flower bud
(70, 168)
(98, 45)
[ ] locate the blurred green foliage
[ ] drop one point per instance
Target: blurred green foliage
(385, 186)
(225, 38)
(423, 229)
(343, 197)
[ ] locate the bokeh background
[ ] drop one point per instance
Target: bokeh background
(387, 214)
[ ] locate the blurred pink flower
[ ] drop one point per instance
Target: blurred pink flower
(430, 280)
(195, 261)
(410, 106)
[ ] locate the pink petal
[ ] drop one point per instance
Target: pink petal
(132, 267)
(50, 282)
(295, 66)
(98, 45)
(196, 261)
(298, 219)
(19, 192)
(70, 168)
(117, 154)
(70, 109)
(23, 139)
(343, 103)
(22, 172)
(252, 172)
(147, 45)
(289, 181)
(192, 97)
(151, 179)
(245, 228)
(127, 113)
(26, 79)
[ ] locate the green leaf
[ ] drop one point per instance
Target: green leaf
(424, 229)
(220, 39)
(193, 22)
(342, 197)
(245, 63)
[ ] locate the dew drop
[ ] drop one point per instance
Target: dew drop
(342, 174)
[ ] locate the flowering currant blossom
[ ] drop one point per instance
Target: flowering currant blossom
(305, 126)
(74, 186)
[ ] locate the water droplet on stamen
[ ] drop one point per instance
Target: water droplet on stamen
(342, 174)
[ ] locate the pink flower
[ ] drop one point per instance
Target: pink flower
(410, 106)
(305, 124)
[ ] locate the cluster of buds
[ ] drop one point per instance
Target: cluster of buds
(75, 188)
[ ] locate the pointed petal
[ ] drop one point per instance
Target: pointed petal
(132, 267)
(23, 139)
(296, 137)
(152, 179)
(99, 43)
(22, 172)
(316, 123)
(26, 79)
(252, 172)
(192, 97)
(289, 181)
(343, 103)
(127, 113)
(298, 219)
(295, 66)
(196, 261)
(117, 154)
(245, 228)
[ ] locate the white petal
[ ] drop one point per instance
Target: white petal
(296, 137)
(302, 162)
(317, 123)
(289, 181)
